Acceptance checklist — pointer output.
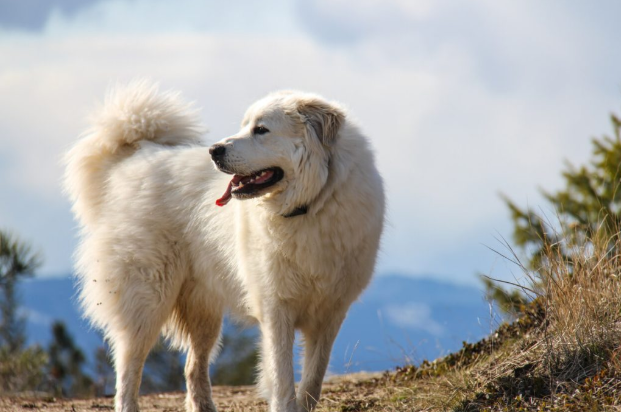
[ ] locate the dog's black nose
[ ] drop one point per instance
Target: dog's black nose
(217, 151)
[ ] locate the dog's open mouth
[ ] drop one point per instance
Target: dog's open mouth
(244, 187)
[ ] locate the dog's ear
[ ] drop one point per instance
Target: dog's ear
(322, 119)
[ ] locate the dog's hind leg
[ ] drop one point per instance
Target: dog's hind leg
(318, 340)
(146, 301)
(200, 322)
(198, 398)
(130, 353)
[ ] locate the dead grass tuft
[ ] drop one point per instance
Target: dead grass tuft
(563, 354)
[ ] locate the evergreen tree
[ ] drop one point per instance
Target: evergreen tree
(65, 365)
(20, 368)
(17, 261)
(104, 372)
(588, 206)
(587, 209)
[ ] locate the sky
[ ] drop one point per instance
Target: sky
(462, 101)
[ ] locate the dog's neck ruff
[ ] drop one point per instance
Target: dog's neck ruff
(297, 211)
(302, 210)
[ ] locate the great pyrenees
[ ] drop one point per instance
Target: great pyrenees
(292, 247)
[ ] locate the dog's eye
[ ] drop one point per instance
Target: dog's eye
(259, 130)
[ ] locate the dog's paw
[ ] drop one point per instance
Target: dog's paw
(203, 406)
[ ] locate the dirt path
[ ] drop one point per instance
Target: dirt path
(227, 399)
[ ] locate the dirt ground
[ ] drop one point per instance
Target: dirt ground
(227, 399)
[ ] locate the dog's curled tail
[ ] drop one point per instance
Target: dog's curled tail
(130, 114)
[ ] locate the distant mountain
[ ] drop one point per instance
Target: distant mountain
(47, 300)
(399, 319)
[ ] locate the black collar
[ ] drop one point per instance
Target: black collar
(297, 211)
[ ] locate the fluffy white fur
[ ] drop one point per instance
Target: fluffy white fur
(158, 255)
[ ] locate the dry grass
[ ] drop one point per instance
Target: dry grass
(563, 354)
(583, 301)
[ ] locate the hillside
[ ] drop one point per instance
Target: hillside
(505, 372)
(562, 354)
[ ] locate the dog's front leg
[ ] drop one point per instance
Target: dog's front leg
(277, 381)
(318, 339)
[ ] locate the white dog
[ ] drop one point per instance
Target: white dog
(293, 252)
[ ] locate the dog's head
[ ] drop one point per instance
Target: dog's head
(282, 151)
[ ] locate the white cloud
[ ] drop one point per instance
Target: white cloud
(338, 21)
(235, 17)
(35, 317)
(459, 107)
(413, 315)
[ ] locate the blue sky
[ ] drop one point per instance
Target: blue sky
(462, 100)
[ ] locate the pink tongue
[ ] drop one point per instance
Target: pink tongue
(226, 197)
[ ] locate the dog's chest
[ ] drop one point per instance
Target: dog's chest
(294, 263)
